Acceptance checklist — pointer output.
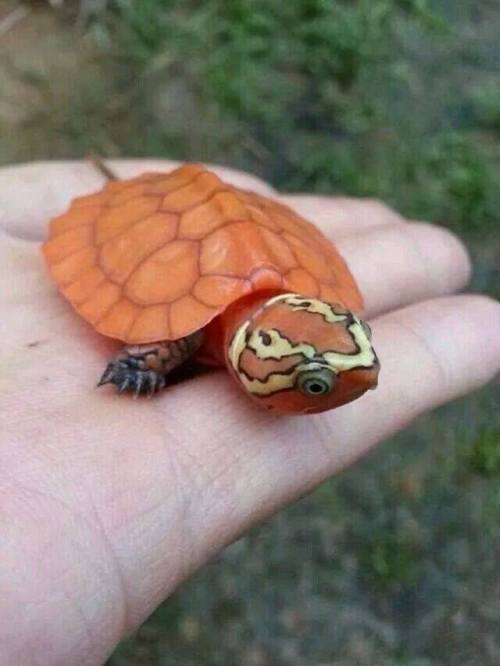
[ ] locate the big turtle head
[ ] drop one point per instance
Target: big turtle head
(296, 354)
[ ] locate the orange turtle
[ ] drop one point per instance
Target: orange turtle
(182, 265)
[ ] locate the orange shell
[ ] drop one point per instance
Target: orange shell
(159, 256)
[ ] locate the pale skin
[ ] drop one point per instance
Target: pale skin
(107, 504)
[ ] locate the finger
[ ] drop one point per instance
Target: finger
(31, 194)
(399, 264)
(395, 262)
(341, 215)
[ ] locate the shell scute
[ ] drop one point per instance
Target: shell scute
(192, 194)
(186, 314)
(312, 261)
(119, 320)
(299, 280)
(280, 252)
(118, 219)
(68, 242)
(115, 186)
(218, 290)
(197, 222)
(260, 217)
(104, 296)
(148, 285)
(121, 255)
(84, 286)
(238, 248)
(147, 321)
(75, 218)
(71, 267)
(221, 208)
(165, 183)
(127, 194)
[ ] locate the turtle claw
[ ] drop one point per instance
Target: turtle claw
(124, 385)
(156, 382)
(107, 375)
(138, 385)
(126, 376)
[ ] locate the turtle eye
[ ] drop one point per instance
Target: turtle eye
(316, 382)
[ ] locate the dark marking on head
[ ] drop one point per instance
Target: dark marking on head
(266, 338)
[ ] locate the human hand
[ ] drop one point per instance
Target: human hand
(106, 503)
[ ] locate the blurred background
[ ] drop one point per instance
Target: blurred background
(396, 562)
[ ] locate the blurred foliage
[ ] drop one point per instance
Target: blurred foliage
(397, 99)
(390, 559)
(362, 97)
(484, 455)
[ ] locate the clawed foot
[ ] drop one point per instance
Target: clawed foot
(128, 375)
(144, 368)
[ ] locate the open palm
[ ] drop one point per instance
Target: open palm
(106, 503)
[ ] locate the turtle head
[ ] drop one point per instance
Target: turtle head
(296, 354)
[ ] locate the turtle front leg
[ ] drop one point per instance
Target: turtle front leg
(144, 368)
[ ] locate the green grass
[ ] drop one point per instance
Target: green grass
(389, 560)
(484, 455)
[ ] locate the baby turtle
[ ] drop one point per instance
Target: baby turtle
(182, 265)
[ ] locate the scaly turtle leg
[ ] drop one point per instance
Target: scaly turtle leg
(144, 368)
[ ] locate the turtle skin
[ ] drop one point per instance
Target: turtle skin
(159, 256)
